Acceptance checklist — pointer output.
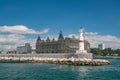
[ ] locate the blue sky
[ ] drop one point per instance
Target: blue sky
(101, 16)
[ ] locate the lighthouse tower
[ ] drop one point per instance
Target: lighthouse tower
(81, 42)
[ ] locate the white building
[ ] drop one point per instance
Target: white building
(29, 48)
(101, 46)
(24, 49)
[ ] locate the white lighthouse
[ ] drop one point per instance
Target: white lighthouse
(81, 42)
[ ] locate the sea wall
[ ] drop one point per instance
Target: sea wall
(83, 55)
(51, 55)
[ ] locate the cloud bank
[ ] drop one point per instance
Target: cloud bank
(94, 39)
(13, 36)
(20, 29)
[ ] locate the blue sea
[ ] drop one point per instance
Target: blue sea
(43, 71)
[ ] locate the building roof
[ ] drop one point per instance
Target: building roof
(39, 38)
(60, 38)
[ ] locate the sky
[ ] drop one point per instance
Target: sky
(22, 20)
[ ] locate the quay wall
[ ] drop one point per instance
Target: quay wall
(50, 55)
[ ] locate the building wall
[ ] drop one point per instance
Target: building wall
(87, 46)
(24, 49)
(29, 49)
(101, 46)
(67, 45)
(50, 55)
(21, 50)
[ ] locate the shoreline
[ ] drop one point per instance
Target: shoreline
(69, 61)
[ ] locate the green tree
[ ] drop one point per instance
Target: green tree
(107, 51)
(96, 51)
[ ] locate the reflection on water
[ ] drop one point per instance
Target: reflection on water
(110, 72)
(82, 72)
(78, 72)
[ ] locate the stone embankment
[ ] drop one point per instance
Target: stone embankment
(68, 61)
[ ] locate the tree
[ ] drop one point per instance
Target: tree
(96, 51)
(107, 51)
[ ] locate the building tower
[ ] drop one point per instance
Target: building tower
(29, 48)
(81, 42)
(60, 38)
(38, 42)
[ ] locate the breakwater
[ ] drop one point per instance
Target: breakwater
(69, 59)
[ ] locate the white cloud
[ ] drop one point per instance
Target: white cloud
(44, 31)
(11, 41)
(91, 33)
(73, 35)
(20, 29)
(15, 36)
(95, 39)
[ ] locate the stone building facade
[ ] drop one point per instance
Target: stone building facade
(62, 45)
(24, 49)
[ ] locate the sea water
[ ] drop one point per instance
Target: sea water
(43, 71)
